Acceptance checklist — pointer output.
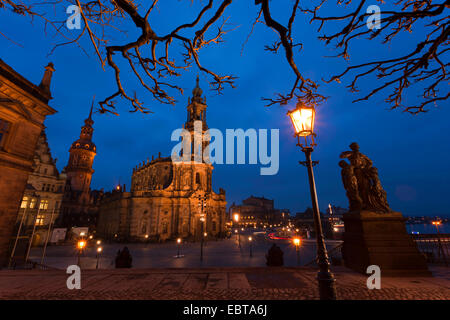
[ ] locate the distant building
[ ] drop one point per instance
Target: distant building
(80, 203)
(165, 197)
(43, 194)
(23, 108)
(259, 211)
(305, 221)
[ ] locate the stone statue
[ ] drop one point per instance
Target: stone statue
(377, 195)
(361, 181)
(351, 186)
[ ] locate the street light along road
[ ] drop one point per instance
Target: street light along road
(302, 118)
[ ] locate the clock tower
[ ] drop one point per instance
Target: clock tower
(82, 152)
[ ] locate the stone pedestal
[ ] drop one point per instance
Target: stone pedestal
(381, 239)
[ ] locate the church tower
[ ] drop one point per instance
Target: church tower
(196, 111)
(82, 152)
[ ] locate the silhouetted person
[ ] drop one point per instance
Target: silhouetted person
(123, 258)
(275, 256)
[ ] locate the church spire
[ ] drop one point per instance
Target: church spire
(196, 110)
(92, 107)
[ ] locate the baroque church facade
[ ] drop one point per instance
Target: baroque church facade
(167, 199)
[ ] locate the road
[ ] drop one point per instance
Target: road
(216, 253)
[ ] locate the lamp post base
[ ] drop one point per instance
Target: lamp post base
(327, 285)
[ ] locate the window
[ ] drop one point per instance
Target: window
(32, 203)
(24, 203)
(40, 220)
(4, 130)
(43, 205)
(214, 226)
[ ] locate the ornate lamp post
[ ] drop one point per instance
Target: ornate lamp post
(302, 118)
(250, 241)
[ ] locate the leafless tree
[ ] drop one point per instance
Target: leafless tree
(425, 63)
(150, 55)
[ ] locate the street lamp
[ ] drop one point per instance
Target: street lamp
(297, 242)
(202, 219)
(178, 249)
(250, 240)
(236, 219)
(81, 244)
(437, 223)
(99, 251)
(202, 204)
(302, 118)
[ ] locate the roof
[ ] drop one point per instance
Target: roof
(13, 76)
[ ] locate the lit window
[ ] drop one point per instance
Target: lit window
(24, 202)
(40, 220)
(33, 203)
(4, 130)
(43, 205)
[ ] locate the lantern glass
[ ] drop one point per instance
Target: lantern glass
(303, 120)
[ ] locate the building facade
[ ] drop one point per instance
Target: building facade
(43, 194)
(167, 198)
(259, 212)
(23, 109)
(80, 203)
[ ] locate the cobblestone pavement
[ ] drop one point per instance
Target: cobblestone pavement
(215, 283)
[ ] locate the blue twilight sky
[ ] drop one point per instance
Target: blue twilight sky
(411, 153)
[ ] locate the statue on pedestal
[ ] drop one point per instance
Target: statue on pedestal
(374, 234)
(362, 183)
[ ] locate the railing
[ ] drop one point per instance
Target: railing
(435, 247)
(29, 265)
(334, 256)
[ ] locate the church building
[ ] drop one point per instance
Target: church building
(167, 199)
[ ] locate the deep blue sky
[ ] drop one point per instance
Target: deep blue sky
(411, 152)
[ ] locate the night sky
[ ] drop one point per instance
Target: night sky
(411, 153)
